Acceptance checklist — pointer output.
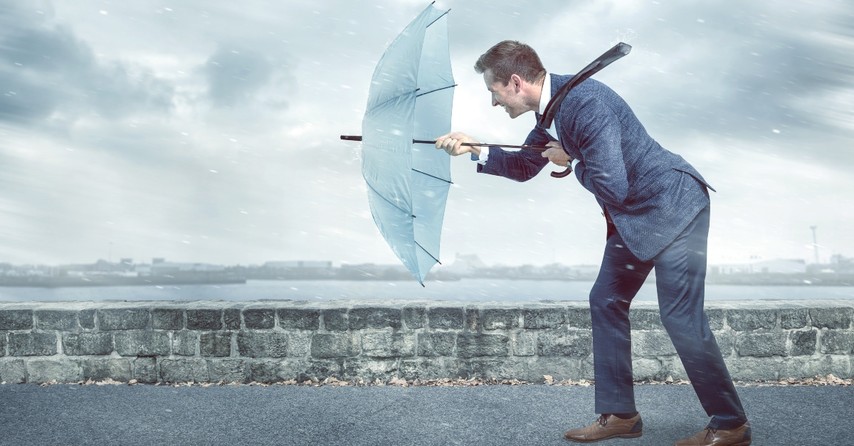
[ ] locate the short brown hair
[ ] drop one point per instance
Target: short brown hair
(510, 57)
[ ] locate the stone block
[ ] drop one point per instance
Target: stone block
(672, 366)
(499, 318)
(436, 344)
(299, 344)
(311, 370)
(102, 369)
(264, 371)
(369, 369)
(53, 370)
(749, 320)
(754, 369)
(228, 370)
(652, 343)
(793, 318)
(123, 319)
(840, 342)
(761, 344)
(647, 369)
(523, 343)
(300, 319)
(13, 371)
(574, 344)
(803, 342)
(86, 319)
(32, 344)
(231, 318)
(414, 317)
(56, 320)
(559, 368)
(184, 342)
(2, 344)
(86, 344)
(810, 367)
(470, 345)
(429, 368)
(388, 345)
(716, 318)
(446, 318)
(16, 319)
(831, 317)
(144, 370)
(645, 319)
(259, 318)
(375, 317)
(184, 370)
(578, 318)
(215, 343)
(540, 318)
(472, 319)
(726, 342)
(204, 319)
(333, 345)
(167, 319)
(335, 319)
(142, 343)
(253, 344)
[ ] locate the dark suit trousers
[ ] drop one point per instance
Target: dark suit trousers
(680, 271)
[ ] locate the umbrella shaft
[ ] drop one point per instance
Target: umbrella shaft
(427, 141)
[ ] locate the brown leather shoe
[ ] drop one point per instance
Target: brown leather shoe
(740, 436)
(607, 426)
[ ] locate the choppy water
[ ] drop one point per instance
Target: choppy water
(467, 290)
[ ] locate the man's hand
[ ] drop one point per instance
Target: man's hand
(453, 144)
(556, 154)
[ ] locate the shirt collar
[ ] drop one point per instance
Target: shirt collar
(546, 94)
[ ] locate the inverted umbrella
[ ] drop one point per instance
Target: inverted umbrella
(409, 102)
(410, 97)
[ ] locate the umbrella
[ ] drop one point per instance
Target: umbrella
(409, 102)
(410, 98)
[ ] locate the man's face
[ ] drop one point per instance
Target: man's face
(506, 95)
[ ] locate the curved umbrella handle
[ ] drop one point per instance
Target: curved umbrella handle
(566, 172)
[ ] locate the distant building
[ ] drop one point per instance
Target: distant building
(772, 266)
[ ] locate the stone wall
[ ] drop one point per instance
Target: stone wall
(279, 341)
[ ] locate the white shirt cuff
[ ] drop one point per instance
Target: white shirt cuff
(574, 162)
(484, 155)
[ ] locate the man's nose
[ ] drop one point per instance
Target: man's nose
(494, 102)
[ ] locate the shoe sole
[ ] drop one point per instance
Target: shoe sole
(630, 435)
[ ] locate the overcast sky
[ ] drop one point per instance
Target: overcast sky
(207, 131)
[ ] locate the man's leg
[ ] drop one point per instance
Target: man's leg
(680, 272)
(619, 280)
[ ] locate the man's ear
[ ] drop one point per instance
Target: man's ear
(516, 81)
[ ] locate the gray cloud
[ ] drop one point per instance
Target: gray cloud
(45, 69)
(235, 76)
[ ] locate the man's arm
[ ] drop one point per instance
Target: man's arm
(521, 165)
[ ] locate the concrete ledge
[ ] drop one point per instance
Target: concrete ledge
(270, 341)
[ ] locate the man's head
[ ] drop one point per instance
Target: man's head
(513, 73)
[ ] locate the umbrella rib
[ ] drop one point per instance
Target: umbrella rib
(428, 252)
(432, 176)
(437, 18)
(389, 201)
(434, 90)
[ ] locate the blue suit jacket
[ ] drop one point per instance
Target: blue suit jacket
(650, 193)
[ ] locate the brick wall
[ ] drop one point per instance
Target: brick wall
(277, 341)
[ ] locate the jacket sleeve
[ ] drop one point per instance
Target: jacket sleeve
(521, 165)
(596, 131)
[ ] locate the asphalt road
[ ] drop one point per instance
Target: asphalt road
(487, 415)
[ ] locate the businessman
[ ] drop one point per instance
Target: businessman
(656, 207)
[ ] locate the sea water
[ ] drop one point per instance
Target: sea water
(466, 290)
